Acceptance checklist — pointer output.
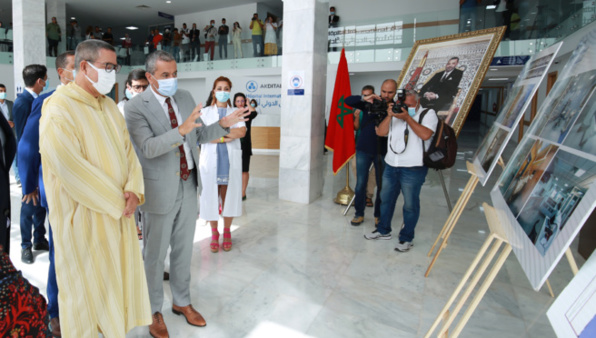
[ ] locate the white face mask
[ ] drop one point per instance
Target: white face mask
(105, 80)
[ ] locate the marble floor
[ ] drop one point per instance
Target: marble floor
(303, 271)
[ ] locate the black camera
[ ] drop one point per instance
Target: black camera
(399, 104)
(378, 110)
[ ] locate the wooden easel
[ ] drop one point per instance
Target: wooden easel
(454, 216)
(498, 240)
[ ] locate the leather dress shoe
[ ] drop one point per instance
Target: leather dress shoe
(55, 325)
(193, 317)
(27, 256)
(158, 328)
(166, 276)
(43, 246)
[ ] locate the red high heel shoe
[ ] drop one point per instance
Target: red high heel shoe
(214, 240)
(227, 241)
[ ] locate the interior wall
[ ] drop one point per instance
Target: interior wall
(357, 10)
(263, 9)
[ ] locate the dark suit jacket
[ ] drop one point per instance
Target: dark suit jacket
(333, 20)
(8, 148)
(9, 104)
(28, 152)
(446, 89)
(195, 34)
(21, 111)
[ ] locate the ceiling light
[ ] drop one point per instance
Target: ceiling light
(499, 79)
(580, 172)
(132, 28)
(123, 38)
(72, 18)
(494, 69)
(168, 2)
(491, 6)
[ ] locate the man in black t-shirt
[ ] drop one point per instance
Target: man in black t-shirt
(223, 32)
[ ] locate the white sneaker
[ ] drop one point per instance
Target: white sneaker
(377, 235)
(403, 246)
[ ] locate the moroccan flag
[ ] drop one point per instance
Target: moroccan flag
(414, 78)
(340, 130)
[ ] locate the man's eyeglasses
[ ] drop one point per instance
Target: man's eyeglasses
(139, 87)
(109, 67)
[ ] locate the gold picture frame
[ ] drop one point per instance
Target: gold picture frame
(450, 93)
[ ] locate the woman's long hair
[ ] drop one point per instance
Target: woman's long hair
(211, 99)
(237, 95)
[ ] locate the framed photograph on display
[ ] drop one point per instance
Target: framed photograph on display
(548, 188)
(448, 71)
(487, 155)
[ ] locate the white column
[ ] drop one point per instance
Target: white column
(28, 22)
(57, 8)
(301, 161)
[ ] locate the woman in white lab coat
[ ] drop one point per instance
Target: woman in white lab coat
(220, 164)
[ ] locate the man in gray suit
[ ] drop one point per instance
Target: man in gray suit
(169, 156)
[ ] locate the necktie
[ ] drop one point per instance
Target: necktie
(444, 77)
(184, 172)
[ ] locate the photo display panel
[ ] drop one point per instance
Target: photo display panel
(548, 188)
(488, 153)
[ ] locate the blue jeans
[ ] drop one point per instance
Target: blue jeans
(223, 44)
(409, 181)
(52, 284)
(32, 216)
(15, 169)
(363, 162)
(195, 50)
(257, 40)
(176, 52)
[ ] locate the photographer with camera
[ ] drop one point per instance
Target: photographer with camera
(257, 26)
(404, 168)
(370, 148)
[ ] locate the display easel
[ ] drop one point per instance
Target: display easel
(454, 216)
(496, 240)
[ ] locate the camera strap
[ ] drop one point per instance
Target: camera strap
(406, 134)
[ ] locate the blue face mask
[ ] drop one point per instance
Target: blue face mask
(129, 95)
(222, 96)
(253, 105)
(332, 13)
(2, 96)
(47, 85)
(411, 111)
(168, 87)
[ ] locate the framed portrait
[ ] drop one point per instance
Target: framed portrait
(447, 71)
(548, 188)
(488, 153)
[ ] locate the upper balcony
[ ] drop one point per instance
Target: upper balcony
(532, 26)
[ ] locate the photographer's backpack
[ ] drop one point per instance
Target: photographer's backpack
(442, 151)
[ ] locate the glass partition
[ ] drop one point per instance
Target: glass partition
(533, 25)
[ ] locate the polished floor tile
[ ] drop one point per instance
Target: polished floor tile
(303, 271)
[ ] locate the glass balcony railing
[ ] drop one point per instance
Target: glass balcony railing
(533, 25)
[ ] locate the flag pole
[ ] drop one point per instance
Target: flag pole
(345, 195)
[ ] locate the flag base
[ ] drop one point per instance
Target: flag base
(344, 196)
